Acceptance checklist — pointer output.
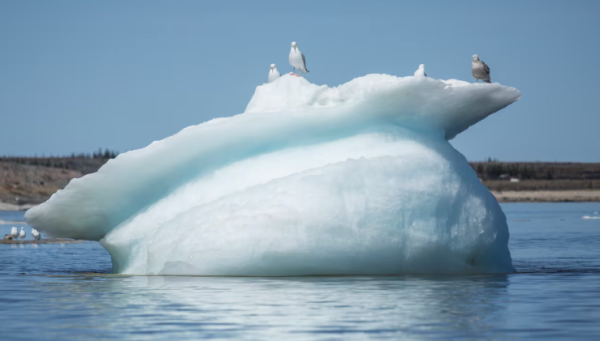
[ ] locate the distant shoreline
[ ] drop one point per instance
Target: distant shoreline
(41, 241)
(548, 196)
(12, 207)
(501, 196)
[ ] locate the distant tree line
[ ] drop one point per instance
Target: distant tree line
(84, 162)
(493, 169)
(100, 154)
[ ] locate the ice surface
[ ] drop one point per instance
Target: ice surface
(355, 179)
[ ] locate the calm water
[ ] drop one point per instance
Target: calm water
(54, 292)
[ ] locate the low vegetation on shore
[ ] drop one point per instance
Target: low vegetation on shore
(538, 176)
(32, 180)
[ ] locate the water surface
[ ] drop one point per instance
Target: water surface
(65, 292)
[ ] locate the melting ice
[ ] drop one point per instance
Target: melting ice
(354, 179)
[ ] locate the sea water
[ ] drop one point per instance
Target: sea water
(66, 292)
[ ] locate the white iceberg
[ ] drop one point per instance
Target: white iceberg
(309, 180)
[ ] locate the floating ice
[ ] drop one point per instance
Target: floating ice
(356, 179)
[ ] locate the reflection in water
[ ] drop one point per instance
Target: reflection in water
(308, 307)
(64, 293)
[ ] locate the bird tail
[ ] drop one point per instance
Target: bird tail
(488, 80)
(304, 70)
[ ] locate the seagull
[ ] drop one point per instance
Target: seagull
(22, 234)
(273, 74)
(297, 59)
(421, 71)
(480, 70)
(35, 234)
(14, 232)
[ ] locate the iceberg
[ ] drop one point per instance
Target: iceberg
(358, 179)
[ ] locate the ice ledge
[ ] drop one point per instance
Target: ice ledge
(420, 103)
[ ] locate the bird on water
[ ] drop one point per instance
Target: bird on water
(297, 60)
(480, 70)
(273, 73)
(35, 234)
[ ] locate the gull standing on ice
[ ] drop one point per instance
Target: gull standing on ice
(480, 70)
(273, 73)
(421, 71)
(35, 234)
(297, 60)
(22, 234)
(14, 232)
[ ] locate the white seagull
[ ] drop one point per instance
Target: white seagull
(14, 232)
(35, 234)
(480, 70)
(22, 234)
(421, 71)
(273, 73)
(297, 59)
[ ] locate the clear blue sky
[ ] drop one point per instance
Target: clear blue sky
(78, 75)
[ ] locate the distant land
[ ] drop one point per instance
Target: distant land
(29, 181)
(540, 181)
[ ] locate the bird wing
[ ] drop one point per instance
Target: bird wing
(486, 68)
(304, 61)
(425, 73)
